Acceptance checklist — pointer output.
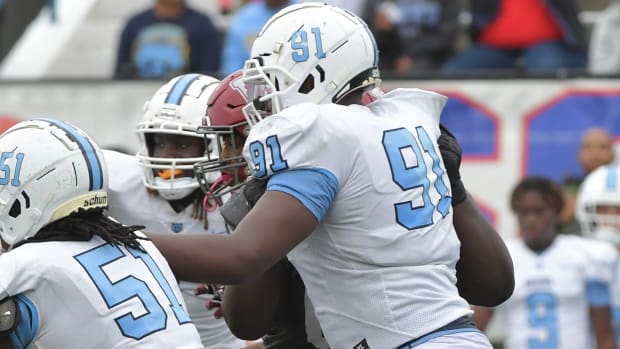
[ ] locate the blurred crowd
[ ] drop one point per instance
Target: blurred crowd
(413, 36)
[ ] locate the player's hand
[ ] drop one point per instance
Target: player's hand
(242, 202)
(215, 302)
(451, 153)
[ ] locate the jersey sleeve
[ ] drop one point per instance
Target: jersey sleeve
(18, 272)
(602, 260)
(300, 151)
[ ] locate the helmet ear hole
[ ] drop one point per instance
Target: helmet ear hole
(308, 85)
(16, 209)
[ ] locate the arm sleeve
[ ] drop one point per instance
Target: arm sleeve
(314, 188)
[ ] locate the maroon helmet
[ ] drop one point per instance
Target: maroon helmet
(225, 126)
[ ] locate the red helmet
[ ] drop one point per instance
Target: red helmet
(224, 122)
(225, 106)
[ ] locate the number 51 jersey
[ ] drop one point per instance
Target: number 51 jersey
(380, 266)
(90, 294)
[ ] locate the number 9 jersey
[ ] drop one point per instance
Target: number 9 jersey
(554, 291)
(380, 266)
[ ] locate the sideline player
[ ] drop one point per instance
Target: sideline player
(598, 213)
(562, 281)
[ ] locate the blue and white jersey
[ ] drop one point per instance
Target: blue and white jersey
(554, 291)
(615, 303)
(130, 203)
(91, 294)
(380, 266)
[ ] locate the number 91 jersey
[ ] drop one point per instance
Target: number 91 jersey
(380, 266)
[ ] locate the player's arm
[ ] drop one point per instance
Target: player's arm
(5, 341)
(250, 309)
(277, 223)
(484, 272)
(602, 327)
(482, 316)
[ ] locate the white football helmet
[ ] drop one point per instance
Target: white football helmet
(48, 170)
(176, 108)
(309, 52)
(600, 188)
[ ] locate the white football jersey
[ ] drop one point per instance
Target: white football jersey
(91, 294)
(554, 291)
(615, 303)
(380, 266)
(130, 203)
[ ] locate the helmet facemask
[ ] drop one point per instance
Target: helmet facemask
(227, 171)
(598, 204)
(176, 109)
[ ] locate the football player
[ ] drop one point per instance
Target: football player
(357, 197)
(158, 189)
(276, 304)
(281, 289)
(562, 281)
(71, 277)
(598, 213)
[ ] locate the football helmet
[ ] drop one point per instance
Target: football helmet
(309, 52)
(176, 108)
(48, 170)
(601, 188)
(225, 121)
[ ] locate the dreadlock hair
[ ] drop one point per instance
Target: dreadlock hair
(83, 224)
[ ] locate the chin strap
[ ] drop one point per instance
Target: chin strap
(218, 185)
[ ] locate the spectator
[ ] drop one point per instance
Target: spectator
(604, 43)
(553, 37)
(361, 8)
(242, 31)
(415, 34)
(596, 149)
(561, 282)
(167, 40)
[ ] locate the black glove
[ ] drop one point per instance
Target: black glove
(451, 153)
(242, 202)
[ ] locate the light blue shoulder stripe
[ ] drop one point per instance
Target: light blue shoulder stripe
(315, 188)
(598, 294)
(28, 326)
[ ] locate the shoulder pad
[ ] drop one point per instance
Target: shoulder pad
(9, 315)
